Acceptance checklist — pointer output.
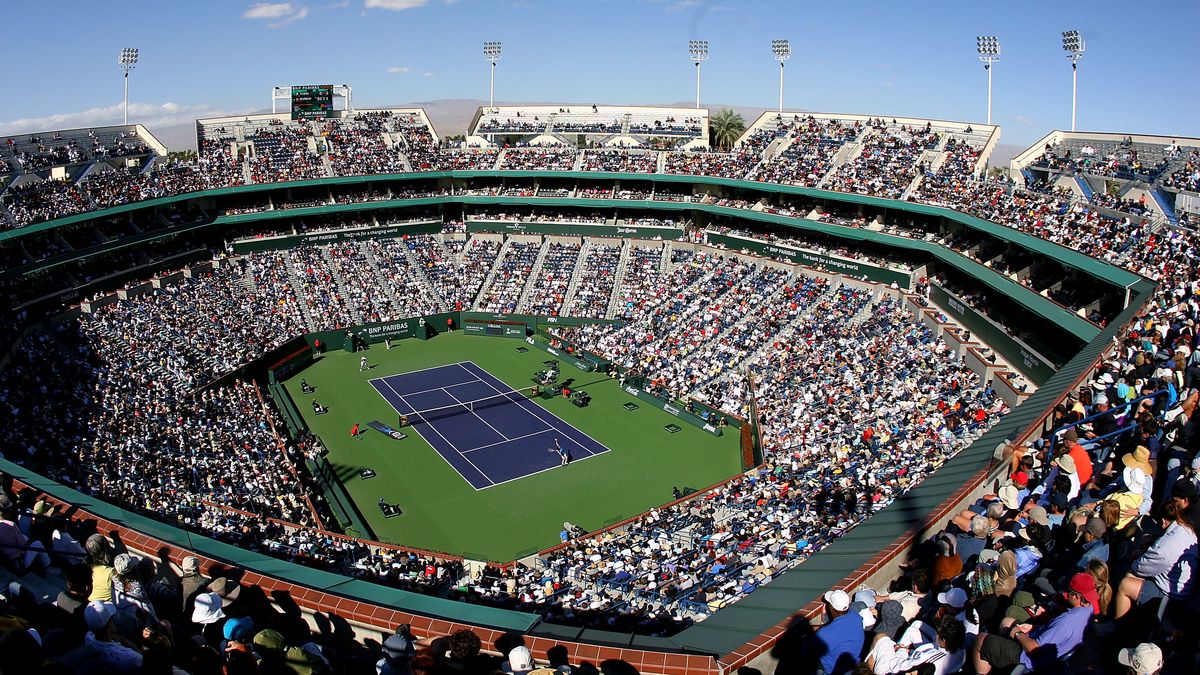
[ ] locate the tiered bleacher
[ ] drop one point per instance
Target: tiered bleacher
(887, 162)
(810, 147)
(550, 283)
(595, 281)
(843, 438)
(596, 125)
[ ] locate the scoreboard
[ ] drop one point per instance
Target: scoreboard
(312, 101)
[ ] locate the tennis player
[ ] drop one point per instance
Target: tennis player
(362, 364)
(562, 453)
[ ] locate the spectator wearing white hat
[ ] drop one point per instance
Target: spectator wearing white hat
(191, 582)
(520, 661)
(1144, 659)
(840, 641)
(102, 644)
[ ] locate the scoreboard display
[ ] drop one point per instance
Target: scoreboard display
(312, 101)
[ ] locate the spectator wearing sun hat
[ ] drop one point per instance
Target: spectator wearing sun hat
(238, 634)
(839, 642)
(1029, 546)
(1093, 545)
(191, 582)
(1144, 659)
(1131, 492)
(1067, 467)
(519, 662)
(1038, 514)
(207, 616)
(1139, 458)
(398, 653)
(102, 645)
(1031, 647)
(271, 648)
(953, 603)
(226, 589)
(1167, 568)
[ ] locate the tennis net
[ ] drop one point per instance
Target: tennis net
(468, 407)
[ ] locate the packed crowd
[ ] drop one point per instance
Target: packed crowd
(597, 278)
(1082, 558)
(538, 159)
(44, 200)
(1162, 254)
(551, 282)
(1112, 160)
(809, 155)
(397, 260)
(283, 153)
(370, 293)
(641, 282)
(107, 610)
(360, 145)
(509, 276)
(183, 348)
(720, 164)
(833, 459)
(620, 160)
(1187, 177)
(888, 163)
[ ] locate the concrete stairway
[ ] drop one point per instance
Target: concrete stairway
(576, 275)
(342, 290)
(535, 273)
(491, 275)
(381, 280)
(614, 298)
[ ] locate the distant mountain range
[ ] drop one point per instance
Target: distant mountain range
(451, 116)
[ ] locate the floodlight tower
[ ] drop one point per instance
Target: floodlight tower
(698, 51)
(492, 51)
(126, 62)
(989, 52)
(1074, 46)
(782, 49)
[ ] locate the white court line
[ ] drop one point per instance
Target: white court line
(492, 445)
(456, 384)
(460, 401)
(435, 430)
(418, 370)
(551, 468)
(521, 402)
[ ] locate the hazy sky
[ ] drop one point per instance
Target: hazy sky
(914, 59)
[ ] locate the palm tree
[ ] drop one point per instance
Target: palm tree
(725, 128)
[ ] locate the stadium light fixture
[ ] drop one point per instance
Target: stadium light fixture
(126, 62)
(989, 52)
(1074, 45)
(698, 51)
(782, 49)
(492, 51)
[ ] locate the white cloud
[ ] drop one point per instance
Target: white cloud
(268, 10)
(400, 70)
(278, 13)
(394, 5)
(1023, 119)
(428, 73)
(151, 115)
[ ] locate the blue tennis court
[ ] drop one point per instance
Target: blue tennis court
(500, 437)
